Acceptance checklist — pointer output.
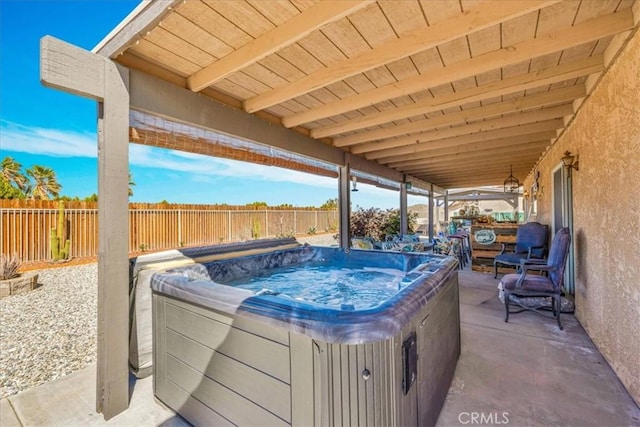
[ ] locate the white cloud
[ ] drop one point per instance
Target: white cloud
(49, 142)
(203, 166)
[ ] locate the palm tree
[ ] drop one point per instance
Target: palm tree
(131, 183)
(11, 172)
(45, 182)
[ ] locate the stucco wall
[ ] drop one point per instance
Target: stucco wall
(606, 135)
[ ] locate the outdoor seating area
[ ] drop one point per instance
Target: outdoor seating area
(531, 244)
(523, 286)
(493, 353)
(421, 99)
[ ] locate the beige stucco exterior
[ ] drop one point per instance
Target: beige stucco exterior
(606, 212)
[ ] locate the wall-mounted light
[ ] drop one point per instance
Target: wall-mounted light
(354, 183)
(570, 161)
(526, 194)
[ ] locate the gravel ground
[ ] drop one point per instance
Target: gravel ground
(50, 332)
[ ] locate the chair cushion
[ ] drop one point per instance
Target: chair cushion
(511, 259)
(531, 283)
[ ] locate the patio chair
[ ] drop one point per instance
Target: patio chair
(531, 242)
(524, 286)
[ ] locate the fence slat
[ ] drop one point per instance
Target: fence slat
(25, 226)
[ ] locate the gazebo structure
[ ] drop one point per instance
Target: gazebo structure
(438, 95)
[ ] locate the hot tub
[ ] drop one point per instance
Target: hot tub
(231, 347)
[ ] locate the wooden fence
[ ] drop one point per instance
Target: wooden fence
(26, 226)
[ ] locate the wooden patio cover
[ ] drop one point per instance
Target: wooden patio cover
(451, 92)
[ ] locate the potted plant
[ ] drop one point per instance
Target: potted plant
(11, 280)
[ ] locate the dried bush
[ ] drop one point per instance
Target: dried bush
(9, 266)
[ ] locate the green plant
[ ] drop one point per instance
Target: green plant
(181, 243)
(312, 230)
(143, 247)
(9, 266)
(255, 228)
(58, 237)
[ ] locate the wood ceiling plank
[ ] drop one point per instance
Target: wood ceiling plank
(243, 15)
(297, 56)
(503, 87)
(399, 70)
(489, 135)
(498, 174)
(159, 55)
(480, 126)
(487, 157)
(427, 60)
(499, 171)
(264, 75)
(440, 10)
(318, 45)
(281, 67)
(501, 168)
(247, 82)
(562, 39)
(277, 12)
(497, 144)
(556, 16)
(233, 89)
(423, 39)
(485, 41)
(591, 9)
(454, 51)
(346, 38)
(196, 35)
(480, 154)
(519, 29)
(169, 41)
(404, 17)
(519, 104)
(268, 38)
(373, 26)
(216, 24)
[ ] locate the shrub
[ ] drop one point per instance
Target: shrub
(378, 224)
(9, 266)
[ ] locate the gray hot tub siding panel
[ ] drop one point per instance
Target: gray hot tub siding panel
(326, 383)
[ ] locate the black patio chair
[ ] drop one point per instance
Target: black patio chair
(531, 242)
(527, 286)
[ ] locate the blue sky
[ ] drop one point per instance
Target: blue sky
(47, 127)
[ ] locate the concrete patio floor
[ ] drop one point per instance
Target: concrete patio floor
(523, 373)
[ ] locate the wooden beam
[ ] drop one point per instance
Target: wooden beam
(537, 100)
(590, 30)
(521, 83)
(142, 19)
(485, 15)
(75, 70)
(481, 126)
(513, 131)
(474, 146)
(279, 37)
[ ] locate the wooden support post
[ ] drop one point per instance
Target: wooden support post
(404, 220)
(431, 213)
(344, 205)
(72, 69)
